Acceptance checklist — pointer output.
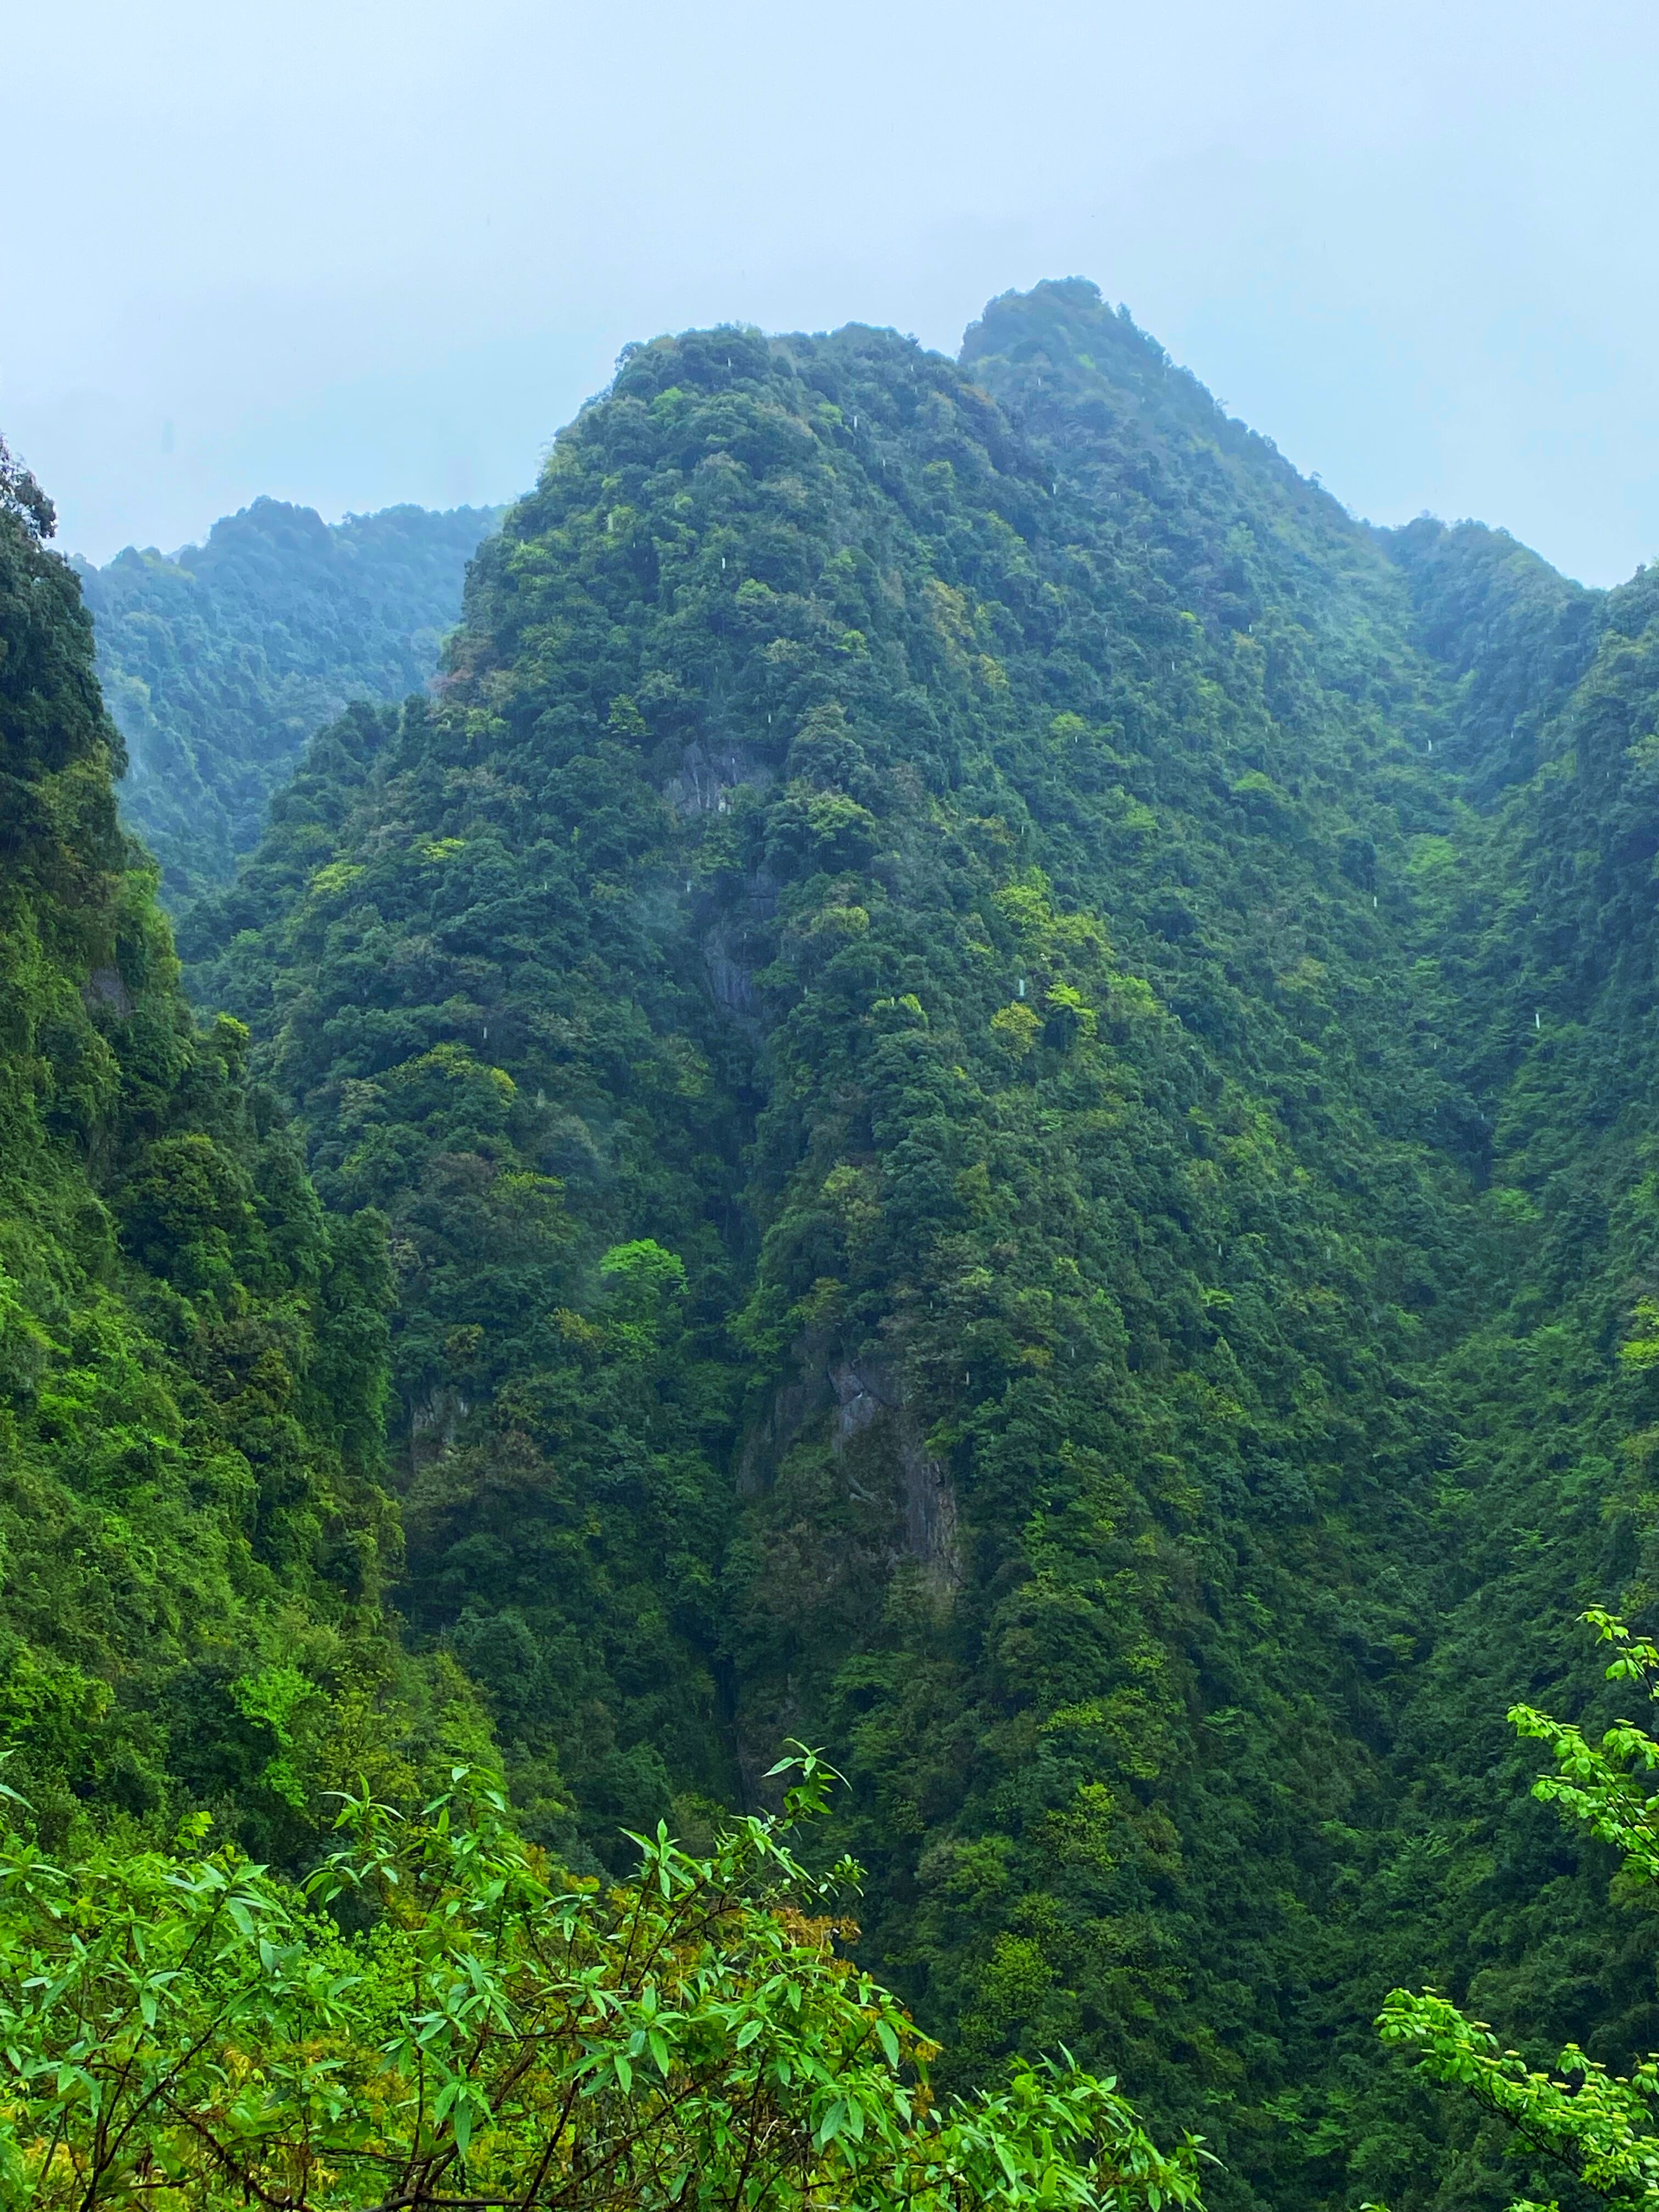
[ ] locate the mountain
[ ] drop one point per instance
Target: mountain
(1541, 952)
(194, 1531)
(1006, 1068)
(219, 662)
(884, 1007)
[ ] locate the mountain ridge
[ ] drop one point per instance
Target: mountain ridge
(972, 802)
(221, 659)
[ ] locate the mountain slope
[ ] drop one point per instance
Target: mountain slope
(192, 1358)
(883, 1008)
(221, 661)
(1543, 944)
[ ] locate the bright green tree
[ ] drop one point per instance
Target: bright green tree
(1604, 2127)
(438, 2019)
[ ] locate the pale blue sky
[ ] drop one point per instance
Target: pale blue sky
(350, 252)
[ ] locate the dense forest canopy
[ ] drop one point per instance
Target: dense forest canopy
(192, 1356)
(976, 1089)
(219, 662)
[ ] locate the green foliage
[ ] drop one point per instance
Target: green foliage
(192, 1359)
(1602, 2128)
(219, 660)
(929, 847)
(1538, 953)
(1008, 1067)
(472, 2027)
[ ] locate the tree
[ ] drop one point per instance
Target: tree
(438, 2019)
(22, 496)
(1604, 2127)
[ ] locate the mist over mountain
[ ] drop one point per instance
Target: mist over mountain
(976, 1088)
(219, 662)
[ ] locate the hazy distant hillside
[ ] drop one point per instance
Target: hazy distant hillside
(219, 662)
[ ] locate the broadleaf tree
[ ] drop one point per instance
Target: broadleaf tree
(1602, 2126)
(438, 2017)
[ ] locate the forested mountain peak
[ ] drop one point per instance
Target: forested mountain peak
(880, 1003)
(1065, 332)
(1006, 1063)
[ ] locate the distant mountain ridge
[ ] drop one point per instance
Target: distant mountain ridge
(219, 660)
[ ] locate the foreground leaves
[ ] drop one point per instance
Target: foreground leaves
(440, 2019)
(1604, 2127)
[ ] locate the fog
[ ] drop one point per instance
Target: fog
(358, 253)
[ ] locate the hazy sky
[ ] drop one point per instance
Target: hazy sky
(361, 250)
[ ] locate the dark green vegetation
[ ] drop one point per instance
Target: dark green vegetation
(1575, 2115)
(218, 663)
(941, 1017)
(1008, 1067)
(193, 1531)
(1538, 943)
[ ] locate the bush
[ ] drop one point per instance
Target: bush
(438, 2018)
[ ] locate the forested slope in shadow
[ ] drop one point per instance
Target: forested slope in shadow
(195, 1535)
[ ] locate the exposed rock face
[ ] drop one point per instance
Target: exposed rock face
(105, 987)
(870, 1402)
(710, 774)
(877, 1442)
(731, 975)
(433, 1425)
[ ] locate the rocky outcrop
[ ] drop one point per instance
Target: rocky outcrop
(877, 1440)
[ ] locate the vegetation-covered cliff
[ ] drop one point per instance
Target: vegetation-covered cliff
(1006, 1066)
(1539, 950)
(219, 662)
(930, 1201)
(196, 1541)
